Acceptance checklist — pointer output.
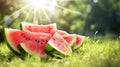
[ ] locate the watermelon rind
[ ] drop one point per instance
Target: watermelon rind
(76, 47)
(72, 43)
(30, 52)
(9, 42)
(22, 23)
(20, 48)
(48, 48)
(53, 52)
(69, 50)
(22, 45)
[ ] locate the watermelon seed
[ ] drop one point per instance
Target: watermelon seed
(65, 38)
(53, 39)
(22, 34)
(35, 40)
(41, 43)
(46, 41)
(29, 26)
(42, 40)
(28, 38)
(38, 41)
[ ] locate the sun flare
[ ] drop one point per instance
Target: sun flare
(39, 11)
(38, 3)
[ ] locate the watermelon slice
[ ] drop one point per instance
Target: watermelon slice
(38, 28)
(32, 42)
(44, 28)
(79, 41)
(49, 28)
(33, 39)
(70, 38)
(59, 44)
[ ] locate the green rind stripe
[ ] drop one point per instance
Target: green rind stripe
(73, 41)
(24, 49)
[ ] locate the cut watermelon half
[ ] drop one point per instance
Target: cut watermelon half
(59, 44)
(31, 41)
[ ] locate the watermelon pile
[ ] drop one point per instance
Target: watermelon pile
(42, 39)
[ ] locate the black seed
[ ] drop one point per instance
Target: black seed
(35, 40)
(29, 26)
(38, 41)
(42, 40)
(41, 43)
(54, 39)
(28, 38)
(65, 38)
(46, 41)
(22, 34)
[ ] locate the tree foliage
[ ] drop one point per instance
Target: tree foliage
(104, 18)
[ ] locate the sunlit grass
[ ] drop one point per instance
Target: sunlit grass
(94, 52)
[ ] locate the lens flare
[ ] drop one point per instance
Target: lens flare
(39, 11)
(38, 3)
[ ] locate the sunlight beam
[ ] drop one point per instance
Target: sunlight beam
(38, 3)
(35, 18)
(28, 14)
(39, 16)
(72, 11)
(45, 13)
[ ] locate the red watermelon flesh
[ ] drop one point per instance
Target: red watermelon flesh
(38, 28)
(79, 41)
(36, 42)
(59, 31)
(58, 43)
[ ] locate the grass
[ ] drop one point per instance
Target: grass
(94, 52)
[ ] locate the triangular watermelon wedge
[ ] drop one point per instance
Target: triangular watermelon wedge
(79, 41)
(60, 44)
(70, 38)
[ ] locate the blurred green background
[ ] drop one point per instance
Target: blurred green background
(85, 17)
